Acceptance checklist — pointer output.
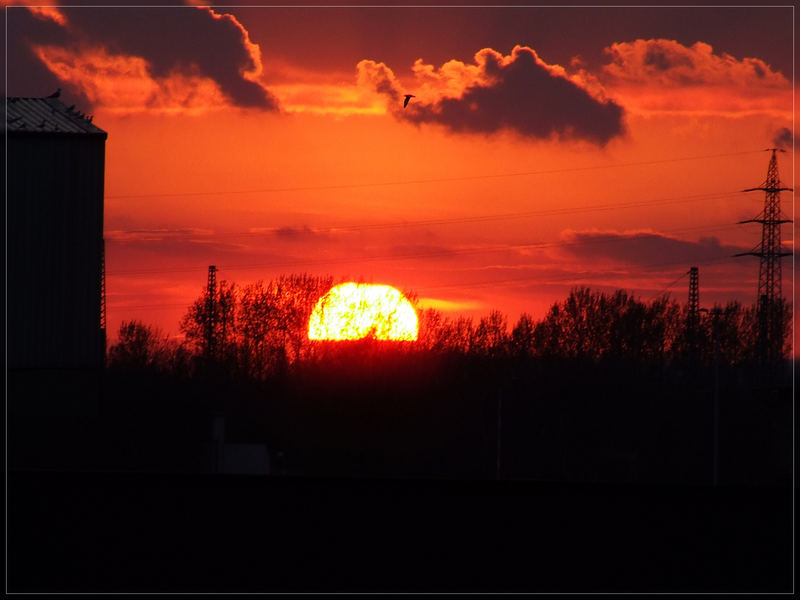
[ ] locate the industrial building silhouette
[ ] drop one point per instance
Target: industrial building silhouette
(55, 178)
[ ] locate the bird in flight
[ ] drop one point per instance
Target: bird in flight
(55, 94)
(408, 97)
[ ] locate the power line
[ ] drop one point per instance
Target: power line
(151, 306)
(423, 181)
(493, 282)
(479, 218)
(393, 257)
(538, 279)
(486, 218)
(669, 285)
(477, 284)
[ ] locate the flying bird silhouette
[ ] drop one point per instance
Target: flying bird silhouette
(408, 97)
(55, 94)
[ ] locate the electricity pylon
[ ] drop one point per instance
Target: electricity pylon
(693, 312)
(211, 311)
(769, 300)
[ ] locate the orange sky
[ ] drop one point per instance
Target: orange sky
(509, 179)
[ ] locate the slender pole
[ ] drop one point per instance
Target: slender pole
(499, 431)
(716, 335)
(716, 420)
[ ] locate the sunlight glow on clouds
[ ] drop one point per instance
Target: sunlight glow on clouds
(450, 305)
(49, 12)
(42, 11)
(254, 50)
(519, 93)
(664, 75)
(669, 63)
(327, 99)
(290, 163)
(124, 84)
(174, 60)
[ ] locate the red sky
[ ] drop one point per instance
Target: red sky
(544, 148)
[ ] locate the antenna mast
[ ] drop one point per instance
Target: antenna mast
(693, 313)
(211, 312)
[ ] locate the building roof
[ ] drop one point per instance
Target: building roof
(47, 115)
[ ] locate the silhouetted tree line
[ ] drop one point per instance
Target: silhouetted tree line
(604, 386)
(259, 330)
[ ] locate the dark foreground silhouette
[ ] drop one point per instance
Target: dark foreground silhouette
(390, 463)
(621, 468)
(83, 532)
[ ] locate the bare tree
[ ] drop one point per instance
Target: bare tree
(141, 347)
(210, 326)
(490, 338)
(521, 340)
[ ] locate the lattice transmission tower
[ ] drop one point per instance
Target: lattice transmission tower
(769, 299)
(211, 312)
(693, 311)
(694, 295)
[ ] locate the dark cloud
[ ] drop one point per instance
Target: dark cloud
(27, 75)
(181, 243)
(646, 248)
(142, 234)
(296, 234)
(186, 40)
(783, 138)
(520, 93)
(182, 251)
(670, 63)
(662, 60)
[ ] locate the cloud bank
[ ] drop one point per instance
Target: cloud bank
(783, 138)
(166, 59)
(519, 93)
(664, 75)
(645, 248)
(670, 63)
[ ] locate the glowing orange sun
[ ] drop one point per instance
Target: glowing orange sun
(352, 311)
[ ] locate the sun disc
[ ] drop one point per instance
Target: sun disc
(353, 311)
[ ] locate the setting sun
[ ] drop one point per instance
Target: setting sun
(352, 311)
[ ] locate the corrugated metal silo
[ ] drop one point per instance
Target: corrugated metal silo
(55, 177)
